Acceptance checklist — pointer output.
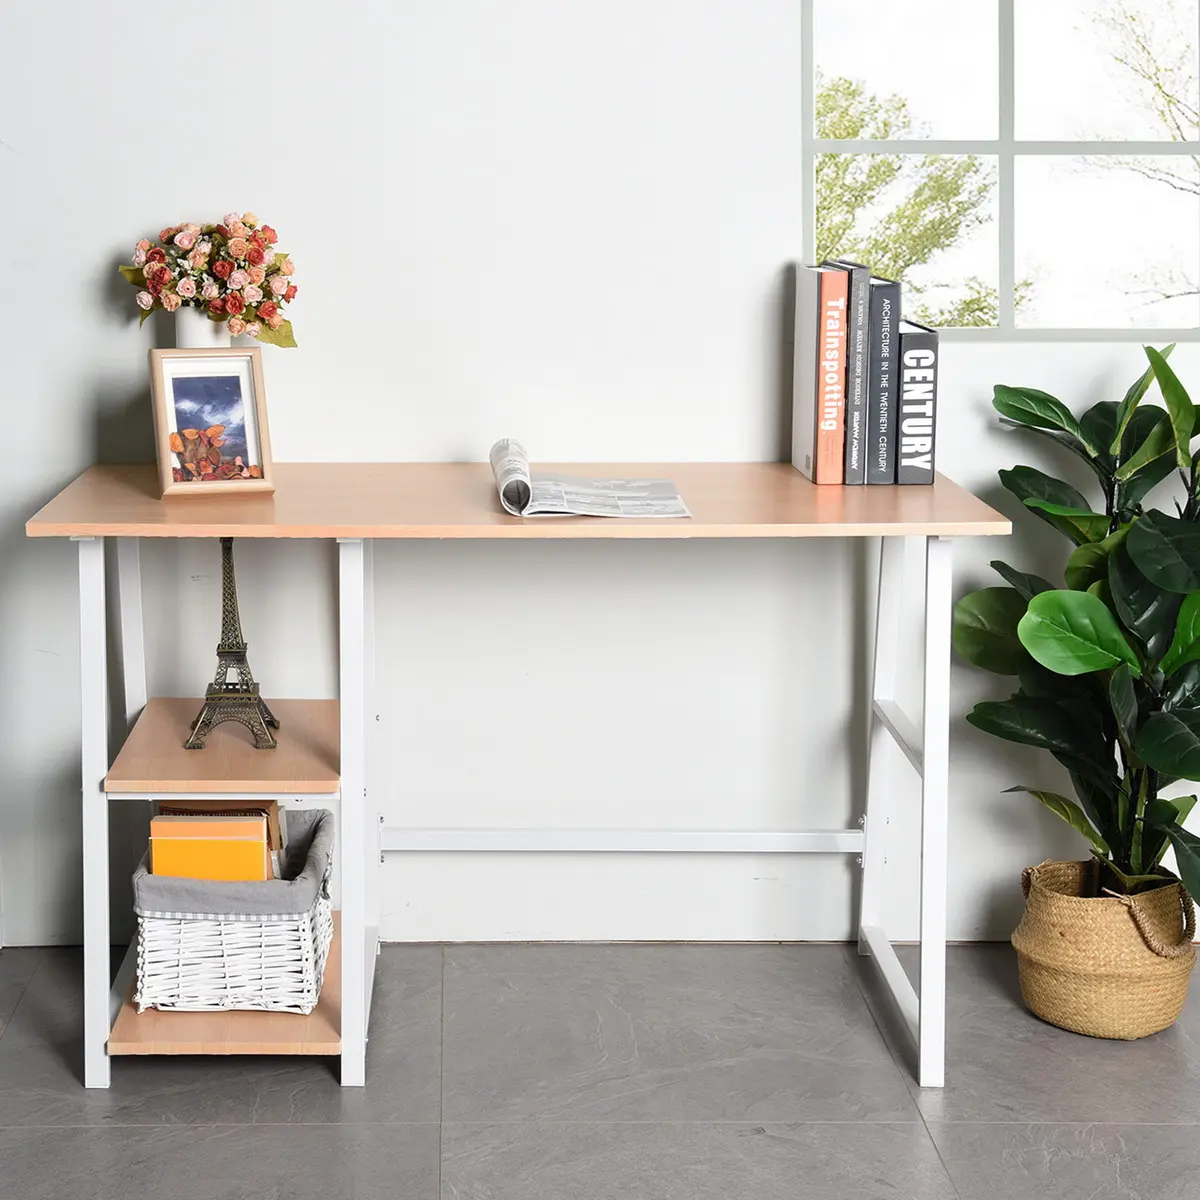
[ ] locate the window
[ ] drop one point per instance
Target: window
(1031, 168)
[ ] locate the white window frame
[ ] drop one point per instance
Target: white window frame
(1005, 149)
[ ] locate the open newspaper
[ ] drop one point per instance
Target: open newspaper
(559, 495)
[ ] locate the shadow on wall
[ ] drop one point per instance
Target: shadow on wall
(783, 356)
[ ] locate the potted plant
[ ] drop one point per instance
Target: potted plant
(1108, 682)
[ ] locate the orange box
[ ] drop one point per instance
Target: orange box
(225, 848)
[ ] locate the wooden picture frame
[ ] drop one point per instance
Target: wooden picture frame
(225, 446)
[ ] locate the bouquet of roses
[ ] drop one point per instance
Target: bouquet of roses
(231, 270)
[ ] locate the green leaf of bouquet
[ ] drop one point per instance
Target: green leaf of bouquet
(1128, 405)
(134, 275)
(1073, 633)
(1089, 563)
(1028, 585)
(283, 336)
(1166, 551)
(1039, 410)
(144, 317)
(985, 629)
(1179, 406)
(1070, 812)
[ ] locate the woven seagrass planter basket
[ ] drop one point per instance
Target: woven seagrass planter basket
(1107, 966)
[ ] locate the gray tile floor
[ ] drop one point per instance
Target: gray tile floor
(552, 1072)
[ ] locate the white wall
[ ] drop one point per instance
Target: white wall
(567, 222)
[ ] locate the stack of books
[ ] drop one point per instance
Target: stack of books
(864, 404)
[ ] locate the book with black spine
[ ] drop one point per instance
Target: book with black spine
(856, 370)
(883, 317)
(917, 413)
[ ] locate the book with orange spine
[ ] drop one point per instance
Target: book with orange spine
(819, 384)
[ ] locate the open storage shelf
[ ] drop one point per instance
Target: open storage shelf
(154, 762)
(239, 1031)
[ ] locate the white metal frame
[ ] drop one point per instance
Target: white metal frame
(358, 838)
(925, 746)
(1006, 148)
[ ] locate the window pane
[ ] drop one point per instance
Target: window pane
(929, 220)
(1106, 69)
(1108, 243)
(912, 60)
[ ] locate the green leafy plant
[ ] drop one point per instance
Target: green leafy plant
(1107, 667)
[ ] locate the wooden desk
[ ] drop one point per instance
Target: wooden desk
(359, 503)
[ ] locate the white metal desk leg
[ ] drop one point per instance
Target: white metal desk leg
(352, 694)
(877, 813)
(934, 800)
(93, 689)
(133, 644)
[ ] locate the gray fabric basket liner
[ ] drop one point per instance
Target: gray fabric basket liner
(308, 859)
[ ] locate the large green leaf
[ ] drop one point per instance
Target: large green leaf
(1179, 406)
(283, 336)
(1079, 524)
(1158, 443)
(1167, 552)
(985, 629)
(1067, 442)
(1073, 633)
(1027, 585)
(1088, 564)
(1099, 427)
(1128, 405)
(134, 275)
(1123, 699)
(1185, 645)
(1131, 493)
(1183, 689)
(1070, 812)
(1027, 483)
(1170, 742)
(1039, 410)
(1145, 610)
(1162, 812)
(1034, 721)
(1186, 845)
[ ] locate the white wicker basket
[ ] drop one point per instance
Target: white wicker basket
(207, 961)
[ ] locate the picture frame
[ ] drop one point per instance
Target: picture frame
(210, 422)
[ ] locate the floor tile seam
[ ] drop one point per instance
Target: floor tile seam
(441, 1151)
(32, 974)
(194, 1125)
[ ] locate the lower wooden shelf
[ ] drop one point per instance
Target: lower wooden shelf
(239, 1032)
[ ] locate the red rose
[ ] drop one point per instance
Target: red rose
(222, 268)
(269, 235)
(156, 254)
(223, 230)
(234, 304)
(216, 306)
(157, 272)
(167, 234)
(255, 256)
(268, 309)
(153, 287)
(290, 294)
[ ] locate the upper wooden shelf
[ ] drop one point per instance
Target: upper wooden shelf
(154, 761)
(458, 500)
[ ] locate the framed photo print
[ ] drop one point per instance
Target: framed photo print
(210, 422)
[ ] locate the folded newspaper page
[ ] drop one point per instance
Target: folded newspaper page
(559, 495)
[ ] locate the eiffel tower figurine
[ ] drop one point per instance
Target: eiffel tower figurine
(226, 701)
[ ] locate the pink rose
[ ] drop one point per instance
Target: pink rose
(287, 267)
(250, 218)
(197, 260)
(238, 247)
(210, 291)
(279, 285)
(236, 326)
(145, 301)
(238, 279)
(185, 239)
(143, 245)
(191, 227)
(170, 301)
(205, 247)
(139, 258)
(257, 275)
(252, 294)
(231, 218)
(186, 287)
(254, 329)
(237, 229)
(276, 321)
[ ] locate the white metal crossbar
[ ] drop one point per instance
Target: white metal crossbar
(624, 841)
